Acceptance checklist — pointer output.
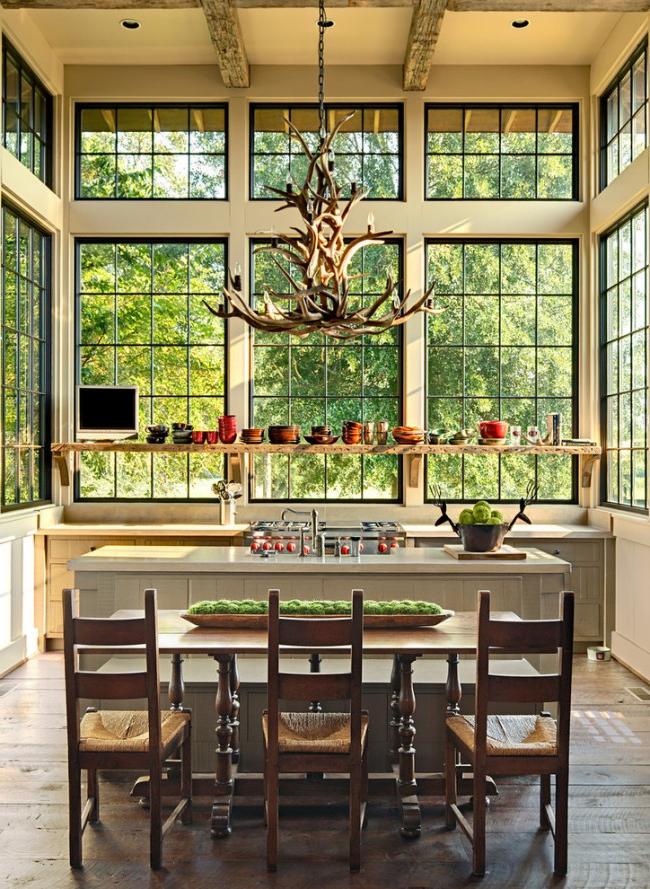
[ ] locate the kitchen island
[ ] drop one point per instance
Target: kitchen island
(115, 577)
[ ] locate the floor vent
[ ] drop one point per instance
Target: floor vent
(4, 690)
(640, 693)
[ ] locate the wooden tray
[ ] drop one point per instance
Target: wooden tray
(371, 621)
(506, 552)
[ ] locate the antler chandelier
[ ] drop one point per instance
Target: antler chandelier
(315, 259)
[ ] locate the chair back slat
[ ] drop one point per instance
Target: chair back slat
(316, 634)
(319, 632)
(531, 636)
(111, 686)
(105, 632)
(95, 631)
(524, 637)
(523, 689)
(315, 686)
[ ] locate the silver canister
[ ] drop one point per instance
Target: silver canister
(382, 432)
(369, 433)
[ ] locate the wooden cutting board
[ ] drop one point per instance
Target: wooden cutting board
(506, 552)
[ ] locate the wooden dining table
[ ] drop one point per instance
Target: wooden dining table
(176, 637)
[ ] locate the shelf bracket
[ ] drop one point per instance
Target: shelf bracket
(587, 468)
(61, 463)
(415, 462)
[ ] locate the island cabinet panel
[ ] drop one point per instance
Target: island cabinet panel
(590, 574)
(58, 549)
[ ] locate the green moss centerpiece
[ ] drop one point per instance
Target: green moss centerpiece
(252, 614)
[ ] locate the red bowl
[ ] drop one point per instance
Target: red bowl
(198, 436)
(493, 428)
(212, 436)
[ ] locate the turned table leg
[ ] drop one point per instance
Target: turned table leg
(224, 783)
(236, 706)
(176, 689)
(453, 687)
(406, 783)
(393, 711)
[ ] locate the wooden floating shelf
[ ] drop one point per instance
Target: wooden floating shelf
(588, 453)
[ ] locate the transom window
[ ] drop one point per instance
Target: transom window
(368, 149)
(25, 361)
(26, 115)
(502, 152)
(141, 321)
(145, 152)
(623, 117)
(315, 380)
(504, 346)
(624, 381)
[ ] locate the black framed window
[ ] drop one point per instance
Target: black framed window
(141, 321)
(151, 152)
(368, 149)
(26, 115)
(624, 116)
(502, 152)
(505, 346)
(624, 378)
(25, 361)
(313, 380)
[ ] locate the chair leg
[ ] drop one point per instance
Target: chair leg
(272, 817)
(355, 817)
(364, 786)
(74, 810)
(93, 793)
(561, 822)
(155, 815)
(451, 791)
(478, 845)
(544, 800)
(186, 777)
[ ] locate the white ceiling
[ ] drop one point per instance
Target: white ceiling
(361, 36)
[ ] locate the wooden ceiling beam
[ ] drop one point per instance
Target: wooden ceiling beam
(423, 36)
(548, 5)
(225, 33)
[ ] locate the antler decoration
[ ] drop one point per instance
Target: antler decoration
(315, 262)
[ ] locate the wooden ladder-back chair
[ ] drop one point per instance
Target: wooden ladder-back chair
(120, 739)
(296, 743)
(516, 745)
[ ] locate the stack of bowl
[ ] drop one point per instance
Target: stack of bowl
(228, 428)
(284, 434)
(321, 435)
(408, 435)
(181, 433)
(157, 433)
(352, 432)
(254, 435)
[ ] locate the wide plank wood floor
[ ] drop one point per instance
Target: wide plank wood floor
(609, 816)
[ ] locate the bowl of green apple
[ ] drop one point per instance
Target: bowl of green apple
(481, 528)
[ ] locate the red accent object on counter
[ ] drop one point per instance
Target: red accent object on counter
(361, 547)
(255, 546)
(306, 549)
(394, 543)
(291, 546)
(279, 546)
(382, 547)
(267, 545)
(345, 550)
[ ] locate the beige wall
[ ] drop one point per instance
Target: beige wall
(631, 639)
(239, 218)
(17, 633)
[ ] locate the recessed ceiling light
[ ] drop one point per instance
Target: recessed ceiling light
(520, 23)
(130, 24)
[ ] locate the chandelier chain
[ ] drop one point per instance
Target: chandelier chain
(321, 69)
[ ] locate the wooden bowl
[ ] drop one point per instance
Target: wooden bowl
(371, 621)
(321, 439)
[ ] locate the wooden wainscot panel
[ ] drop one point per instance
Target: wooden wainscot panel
(222, 587)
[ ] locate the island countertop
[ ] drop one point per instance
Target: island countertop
(238, 560)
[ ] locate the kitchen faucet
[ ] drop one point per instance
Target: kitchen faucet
(317, 542)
